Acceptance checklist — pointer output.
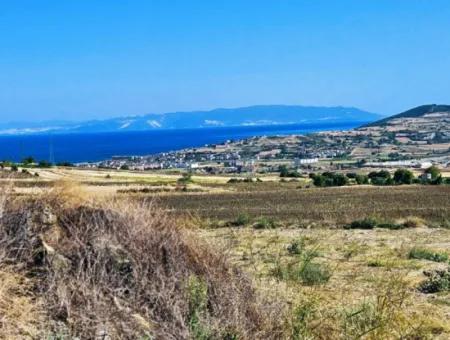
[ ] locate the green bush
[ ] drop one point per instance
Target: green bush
(241, 220)
(391, 226)
(437, 281)
(303, 268)
(367, 223)
(264, 223)
(425, 254)
(313, 273)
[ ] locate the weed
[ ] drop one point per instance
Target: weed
(197, 298)
(426, 254)
(301, 318)
(264, 223)
(302, 268)
(241, 220)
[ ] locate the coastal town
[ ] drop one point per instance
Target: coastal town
(405, 142)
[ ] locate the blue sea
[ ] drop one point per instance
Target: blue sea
(92, 147)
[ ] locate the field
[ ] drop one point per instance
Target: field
(372, 280)
(289, 204)
(357, 262)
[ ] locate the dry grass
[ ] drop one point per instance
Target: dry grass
(372, 292)
(21, 315)
(125, 270)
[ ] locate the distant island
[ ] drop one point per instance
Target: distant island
(258, 115)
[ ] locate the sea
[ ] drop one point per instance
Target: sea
(94, 147)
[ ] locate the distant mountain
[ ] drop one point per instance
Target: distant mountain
(245, 116)
(417, 112)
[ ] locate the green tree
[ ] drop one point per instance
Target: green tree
(434, 172)
(382, 177)
(403, 176)
(362, 179)
(28, 160)
(44, 164)
(283, 170)
(319, 180)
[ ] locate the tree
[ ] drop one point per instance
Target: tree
(340, 180)
(319, 180)
(403, 176)
(44, 164)
(330, 179)
(362, 179)
(382, 177)
(434, 172)
(283, 170)
(28, 160)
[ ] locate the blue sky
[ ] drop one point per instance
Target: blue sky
(88, 59)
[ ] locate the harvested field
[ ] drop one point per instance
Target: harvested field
(335, 205)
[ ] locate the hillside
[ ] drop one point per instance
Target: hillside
(417, 112)
(418, 136)
(244, 116)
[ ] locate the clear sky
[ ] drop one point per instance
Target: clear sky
(83, 59)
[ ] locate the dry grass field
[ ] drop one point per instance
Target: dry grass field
(261, 260)
(363, 283)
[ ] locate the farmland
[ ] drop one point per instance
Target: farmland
(315, 206)
(338, 262)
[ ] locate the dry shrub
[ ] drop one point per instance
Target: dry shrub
(413, 222)
(21, 316)
(126, 270)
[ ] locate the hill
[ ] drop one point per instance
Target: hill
(243, 116)
(419, 111)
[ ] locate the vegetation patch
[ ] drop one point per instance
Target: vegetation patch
(367, 223)
(437, 281)
(426, 254)
(302, 267)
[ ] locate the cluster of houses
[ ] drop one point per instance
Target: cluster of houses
(401, 164)
(206, 162)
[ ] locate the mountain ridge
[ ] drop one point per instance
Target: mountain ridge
(225, 117)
